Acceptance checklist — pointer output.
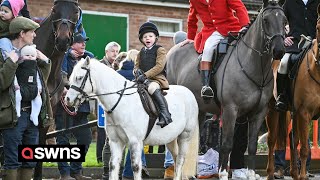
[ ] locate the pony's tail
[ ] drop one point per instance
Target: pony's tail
(189, 168)
(283, 121)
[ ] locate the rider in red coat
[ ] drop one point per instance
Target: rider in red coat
(218, 18)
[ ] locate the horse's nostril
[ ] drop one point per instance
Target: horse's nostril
(68, 99)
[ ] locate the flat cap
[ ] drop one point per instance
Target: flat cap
(20, 23)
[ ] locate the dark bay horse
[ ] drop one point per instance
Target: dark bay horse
(242, 80)
(53, 39)
(304, 106)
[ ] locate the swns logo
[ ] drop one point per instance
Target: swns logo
(51, 153)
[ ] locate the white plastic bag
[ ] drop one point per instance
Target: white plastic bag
(208, 164)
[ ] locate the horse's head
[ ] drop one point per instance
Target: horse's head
(273, 21)
(64, 16)
(81, 83)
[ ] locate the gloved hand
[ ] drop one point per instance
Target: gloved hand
(141, 78)
(138, 72)
(244, 29)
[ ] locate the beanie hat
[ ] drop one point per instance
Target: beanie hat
(14, 5)
(20, 23)
(179, 36)
(28, 50)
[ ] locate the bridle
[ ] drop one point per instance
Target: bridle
(267, 38)
(69, 23)
(86, 96)
(65, 21)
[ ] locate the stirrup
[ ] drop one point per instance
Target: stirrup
(207, 92)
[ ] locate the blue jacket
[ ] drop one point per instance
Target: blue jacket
(127, 70)
(67, 67)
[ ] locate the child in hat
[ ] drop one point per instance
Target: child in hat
(9, 9)
(152, 60)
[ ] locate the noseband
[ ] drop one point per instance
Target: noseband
(83, 83)
(68, 22)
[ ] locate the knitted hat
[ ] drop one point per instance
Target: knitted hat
(20, 23)
(14, 5)
(28, 50)
(179, 36)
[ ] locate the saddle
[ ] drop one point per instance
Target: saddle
(295, 60)
(149, 106)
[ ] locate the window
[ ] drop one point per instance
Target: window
(167, 26)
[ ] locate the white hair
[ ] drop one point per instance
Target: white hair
(112, 44)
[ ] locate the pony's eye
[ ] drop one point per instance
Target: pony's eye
(79, 78)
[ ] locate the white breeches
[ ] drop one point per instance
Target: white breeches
(283, 67)
(210, 45)
(153, 86)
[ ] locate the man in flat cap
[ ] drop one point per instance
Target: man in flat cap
(20, 130)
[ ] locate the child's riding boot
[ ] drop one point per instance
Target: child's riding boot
(282, 101)
(206, 91)
(164, 116)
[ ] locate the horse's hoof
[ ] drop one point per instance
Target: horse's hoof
(270, 177)
(223, 175)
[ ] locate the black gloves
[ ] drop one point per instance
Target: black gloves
(141, 78)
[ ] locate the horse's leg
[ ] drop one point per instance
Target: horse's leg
(303, 132)
(272, 120)
(183, 144)
(116, 148)
(254, 127)
(229, 117)
(135, 149)
(293, 149)
(173, 148)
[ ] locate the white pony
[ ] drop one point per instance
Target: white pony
(128, 122)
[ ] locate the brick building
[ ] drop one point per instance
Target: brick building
(119, 20)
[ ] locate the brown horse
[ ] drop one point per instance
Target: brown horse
(305, 105)
(53, 39)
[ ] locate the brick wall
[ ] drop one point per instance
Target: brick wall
(137, 15)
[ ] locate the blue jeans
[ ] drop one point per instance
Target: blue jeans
(280, 158)
(83, 137)
(24, 133)
(127, 171)
(168, 159)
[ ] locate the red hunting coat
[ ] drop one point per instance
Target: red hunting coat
(217, 15)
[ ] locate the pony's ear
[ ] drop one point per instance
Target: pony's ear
(87, 60)
(265, 3)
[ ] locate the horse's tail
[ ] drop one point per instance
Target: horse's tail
(190, 164)
(284, 119)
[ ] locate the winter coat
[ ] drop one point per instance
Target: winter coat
(7, 93)
(217, 15)
(127, 69)
(302, 20)
(155, 73)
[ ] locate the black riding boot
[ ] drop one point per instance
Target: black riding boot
(164, 116)
(206, 91)
(282, 100)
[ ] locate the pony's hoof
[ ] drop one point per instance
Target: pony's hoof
(223, 175)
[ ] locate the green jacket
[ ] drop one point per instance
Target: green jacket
(4, 28)
(8, 116)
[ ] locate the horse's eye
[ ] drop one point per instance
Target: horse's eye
(79, 78)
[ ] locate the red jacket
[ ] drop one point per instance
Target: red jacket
(217, 15)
